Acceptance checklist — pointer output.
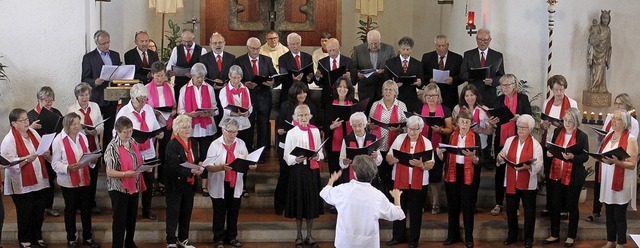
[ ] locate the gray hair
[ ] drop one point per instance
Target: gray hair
(291, 36)
(188, 30)
(364, 167)
(373, 33)
(528, 120)
(512, 79)
(235, 69)
(626, 99)
(181, 122)
(229, 122)
(484, 30)
(81, 88)
(99, 33)
(392, 84)
(300, 108)
(44, 92)
(575, 115)
(440, 37)
(253, 39)
(198, 70)
(358, 116)
(406, 41)
(626, 118)
(138, 90)
(415, 120)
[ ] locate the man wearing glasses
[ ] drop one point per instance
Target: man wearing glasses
(184, 56)
(141, 57)
(273, 48)
(372, 55)
(483, 56)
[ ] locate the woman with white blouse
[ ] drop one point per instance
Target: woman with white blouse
(236, 94)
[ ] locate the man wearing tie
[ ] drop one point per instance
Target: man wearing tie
(141, 57)
(254, 63)
(184, 55)
(405, 65)
(372, 55)
(333, 62)
(444, 60)
(292, 62)
(92, 63)
(483, 56)
(218, 63)
(273, 49)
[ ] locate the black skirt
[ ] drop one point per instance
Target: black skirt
(303, 196)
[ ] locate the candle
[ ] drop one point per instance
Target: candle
(593, 116)
(584, 115)
(600, 116)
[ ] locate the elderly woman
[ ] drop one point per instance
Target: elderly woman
(462, 178)
(198, 101)
(74, 178)
(90, 115)
(433, 107)
(412, 179)
(303, 201)
(46, 97)
(144, 119)
(236, 94)
(180, 182)
(360, 205)
(161, 96)
(621, 102)
(343, 95)
(618, 178)
(359, 138)
(297, 96)
(518, 104)
(27, 181)
(567, 175)
(225, 184)
(123, 157)
(522, 155)
(388, 110)
(471, 100)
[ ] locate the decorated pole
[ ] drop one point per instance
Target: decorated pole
(552, 12)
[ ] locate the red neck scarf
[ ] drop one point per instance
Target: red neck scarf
(377, 114)
(354, 144)
(127, 164)
(435, 138)
(509, 129)
(313, 164)
(450, 173)
(154, 101)
(565, 105)
(71, 159)
(402, 171)
(338, 133)
(230, 176)
(522, 180)
(191, 105)
(27, 172)
(187, 149)
(38, 108)
(87, 121)
(143, 127)
(607, 128)
(560, 171)
(618, 172)
(242, 91)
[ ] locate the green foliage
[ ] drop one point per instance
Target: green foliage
(3, 75)
(525, 88)
(365, 27)
(173, 34)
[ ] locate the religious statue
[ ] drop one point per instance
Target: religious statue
(599, 55)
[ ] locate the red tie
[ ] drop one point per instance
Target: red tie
(405, 66)
(441, 63)
(188, 54)
(483, 61)
(219, 60)
(298, 61)
(145, 62)
(335, 64)
(254, 66)
(143, 127)
(88, 121)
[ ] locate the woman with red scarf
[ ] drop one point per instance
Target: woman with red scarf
(236, 94)
(27, 181)
(359, 138)
(471, 100)
(412, 179)
(567, 175)
(303, 196)
(180, 182)
(618, 178)
(522, 157)
(461, 179)
(74, 179)
(337, 129)
(433, 107)
(518, 104)
(124, 182)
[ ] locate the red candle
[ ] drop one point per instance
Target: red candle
(471, 18)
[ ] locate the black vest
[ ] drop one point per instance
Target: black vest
(182, 57)
(352, 138)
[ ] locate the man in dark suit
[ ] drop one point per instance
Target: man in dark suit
(405, 65)
(443, 59)
(334, 61)
(372, 55)
(218, 63)
(483, 56)
(292, 62)
(184, 55)
(141, 57)
(253, 63)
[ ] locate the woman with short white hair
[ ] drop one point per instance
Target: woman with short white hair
(359, 138)
(236, 94)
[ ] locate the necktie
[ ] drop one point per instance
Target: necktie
(188, 54)
(254, 66)
(483, 61)
(87, 121)
(145, 62)
(441, 63)
(219, 60)
(335, 64)
(298, 61)
(405, 66)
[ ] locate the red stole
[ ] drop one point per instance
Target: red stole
(607, 128)
(126, 164)
(558, 171)
(402, 171)
(450, 173)
(187, 149)
(547, 108)
(244, 95)
(143, 127)
(377, 114)
(436, 138)
(230, 175)
(509, 129)
(38, 108)
(338, 135)
(154, 101)
(522, 180)
(88, 121)
(190, 104)
(618, 172)
(354, 144)
(313, 164)
(27, 173)
(71, 159)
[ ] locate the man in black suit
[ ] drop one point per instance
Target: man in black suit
(443, 59)
(372, 55)
(185, 55)
(253, 63)
(334, 61)
(141, 57)
(483, 56)
(218, 63)
(292, 62)
(405, 65)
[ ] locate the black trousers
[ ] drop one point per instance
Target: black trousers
(123, 225)
(108, 111)
(227, 208)
(179, 209)
(1, 218)
(617, 223)
(260, 119)
(528, 198)
(91, 194)
(147, 195)
(334, 160)
(77, 198)
(384, 174)
(461, 198)
(499, 184)
(597, 205)
(571, 194)
(280, 194)
(203, 144)
(411, 201)
(30, 215)
(246, 136)
(49, 192)
(162, 147)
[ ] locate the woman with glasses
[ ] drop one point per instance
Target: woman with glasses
(522, 155)
(518, 104)
(567, 175)
(236, 94)
(359, 138)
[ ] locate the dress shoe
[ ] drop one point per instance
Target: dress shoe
(90, 243)
(450, 241)
(150, 216)
(51, 212)
(25, 245)
(41, 244)
(569, 242)
(236, 243)
(509, 242)
(528, 245)
(413, 245)
(73, 244)
(394, 242)
(469, 244)
(551, 240)
(219, 244)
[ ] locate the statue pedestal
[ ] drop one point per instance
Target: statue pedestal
(595, 99)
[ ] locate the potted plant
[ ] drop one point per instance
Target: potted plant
(583, 194)
(3, 75)
(365, 27)
(173, 34)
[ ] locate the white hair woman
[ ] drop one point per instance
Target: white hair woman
(236, 94)
(359, 138)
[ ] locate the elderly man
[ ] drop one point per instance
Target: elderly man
(185, 56)
(322, 51)
(141, 57)
(253, 63)
(92, 63)
(296, 63)
(218, 63)
(404, 65)
(333, 62)
(444, 60)
(372, 55)
(273, 48)
(483, 56)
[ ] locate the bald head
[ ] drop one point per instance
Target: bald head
(333, 47)
(217, 43)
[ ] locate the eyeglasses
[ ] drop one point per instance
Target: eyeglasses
(483, 40)
(254, 48)
(465, 122)
(216, 42)
(272, 38)
(230, 131)
(417, 129)
(432, 95)
(522, 127)
(23, 120)
(506, 85)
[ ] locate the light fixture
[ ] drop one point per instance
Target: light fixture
(471, 23)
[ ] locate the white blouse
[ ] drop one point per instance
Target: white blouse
(297, 137)
(243, 122)
(628, 192)
(150, 119)
(96, 117)
(60, 164)
(535, 166)
(12, 176)
(216, 179)
(398, 143)
(197, 130)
